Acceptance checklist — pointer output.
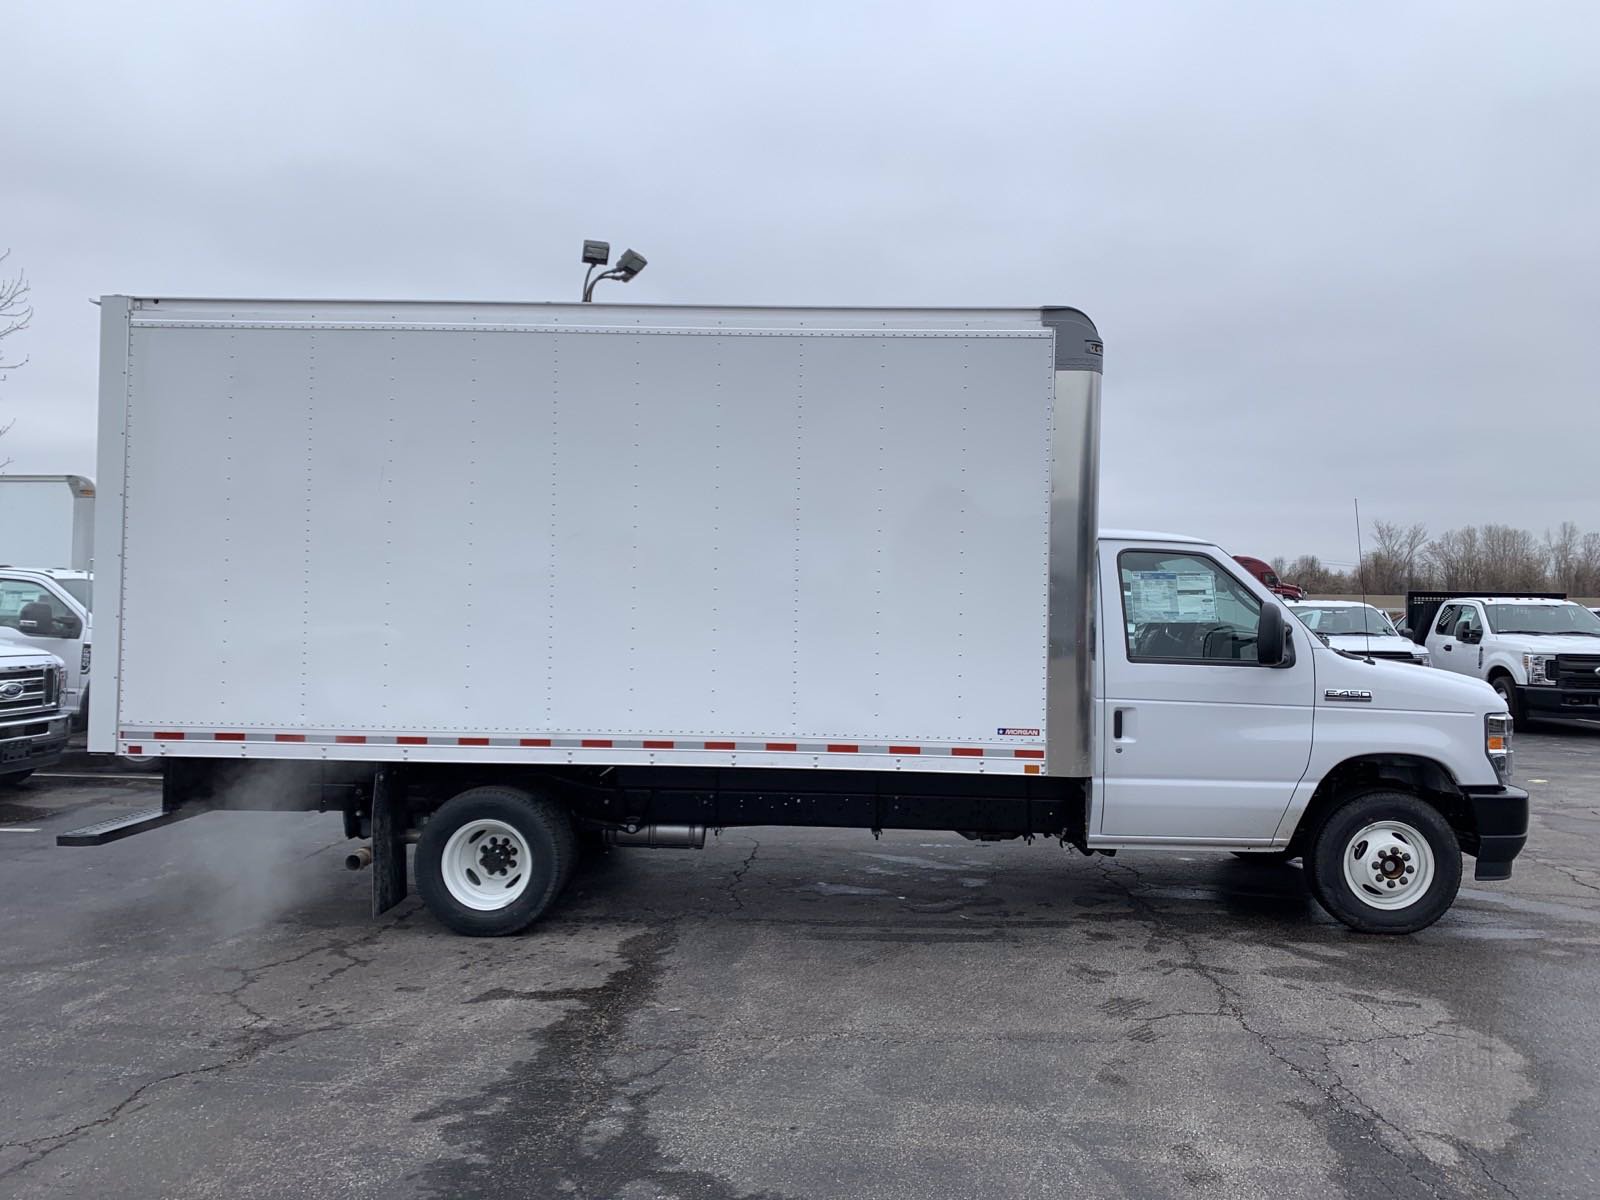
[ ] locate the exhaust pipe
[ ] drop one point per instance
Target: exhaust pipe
(360, 858)
(659, 837)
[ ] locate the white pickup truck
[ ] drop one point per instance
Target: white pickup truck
(1540, 652)
(50, 609)
(1358, 629)
(33, 723)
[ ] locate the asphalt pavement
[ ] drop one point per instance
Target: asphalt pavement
(208, 1010)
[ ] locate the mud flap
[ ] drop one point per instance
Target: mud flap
(389, 821)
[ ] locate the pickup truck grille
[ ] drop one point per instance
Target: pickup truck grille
(1397, 655)
(1578, 670)
(37, 690)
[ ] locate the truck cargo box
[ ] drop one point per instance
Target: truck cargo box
(597, 534)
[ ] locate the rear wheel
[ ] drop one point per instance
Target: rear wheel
(14, 777)
(1385, 862)
(492, 860)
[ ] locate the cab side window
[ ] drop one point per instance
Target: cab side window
(31, 608)
(1448, 616)
(1185, 608)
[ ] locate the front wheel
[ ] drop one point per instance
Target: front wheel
(492, 860)
(1385, 862)
(1507, 688)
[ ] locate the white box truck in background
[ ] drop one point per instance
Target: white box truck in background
(496, 578)
(47, 521)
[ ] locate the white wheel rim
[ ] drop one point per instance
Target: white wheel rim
(1388, 865)
(486, 864)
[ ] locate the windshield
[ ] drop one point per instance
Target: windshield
(1349, 618)
(1565, 619)
(81, 590)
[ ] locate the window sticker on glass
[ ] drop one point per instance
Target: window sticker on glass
(1171, 596)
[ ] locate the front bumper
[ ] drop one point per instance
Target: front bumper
(1500, 819)
(1560, 701)
(29, 745)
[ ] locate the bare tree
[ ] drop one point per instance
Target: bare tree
(1309, 572)
(1512, 559)
(1457, 559)
(16, 313)
(1586, 576)
(1393, 565)
(1561, 551)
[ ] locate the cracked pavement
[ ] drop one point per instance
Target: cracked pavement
(208, 1011)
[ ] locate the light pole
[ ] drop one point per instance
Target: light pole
(598, 254)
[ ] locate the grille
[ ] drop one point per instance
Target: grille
(37, 694)
(1397, 655)
(1578, 669)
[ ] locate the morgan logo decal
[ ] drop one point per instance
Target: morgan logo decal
(1354, 694)
(1013, 731)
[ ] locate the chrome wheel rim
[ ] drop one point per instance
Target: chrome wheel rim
(1388, 865)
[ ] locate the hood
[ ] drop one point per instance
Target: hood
(1402, 685)
(10, 648)
(1359, 643)
(1548, 644)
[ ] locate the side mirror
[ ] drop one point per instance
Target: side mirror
(1271, 637)
(1470, 637)
(36, 619)
(69, 626)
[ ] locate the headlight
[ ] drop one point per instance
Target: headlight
(1541, 669)
(1497, 743)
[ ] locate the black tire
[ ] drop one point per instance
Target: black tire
(1266, 858)
(543, 826)
(12, 778)
(1507, 687)
(1324, 860)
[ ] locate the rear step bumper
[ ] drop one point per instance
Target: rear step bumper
(116, 828)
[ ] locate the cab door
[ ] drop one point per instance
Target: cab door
(1200, 740)
(33, 613)
(1444, 647)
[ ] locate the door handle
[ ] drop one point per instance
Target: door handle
(1116, 724)
(1447, 649)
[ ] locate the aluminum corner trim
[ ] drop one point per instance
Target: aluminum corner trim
(1078, 345)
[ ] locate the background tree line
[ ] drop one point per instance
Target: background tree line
(1493, 557)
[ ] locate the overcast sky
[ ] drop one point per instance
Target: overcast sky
(1334, 250)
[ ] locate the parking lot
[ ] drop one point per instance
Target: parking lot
(208, 1010)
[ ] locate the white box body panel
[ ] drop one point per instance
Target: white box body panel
(47, 521)
(580, 533)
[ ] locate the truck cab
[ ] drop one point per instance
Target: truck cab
(1264, 572)
(51, 610)
(1540, 653)
(33, 719)
(1224, 723)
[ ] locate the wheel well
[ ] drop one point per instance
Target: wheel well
(1422, 777)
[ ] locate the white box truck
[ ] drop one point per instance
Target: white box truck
(47, 521)
(496, 579)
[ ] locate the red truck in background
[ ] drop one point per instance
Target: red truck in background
(1268, 576)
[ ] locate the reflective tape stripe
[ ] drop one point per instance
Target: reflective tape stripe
(575, 743)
